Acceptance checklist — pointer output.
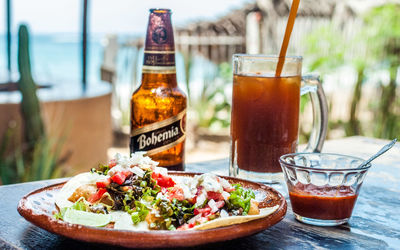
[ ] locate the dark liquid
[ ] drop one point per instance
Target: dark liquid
(327, 204)
(148, 108)
(265, 118)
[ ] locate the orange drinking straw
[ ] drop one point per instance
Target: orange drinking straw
(286, 38)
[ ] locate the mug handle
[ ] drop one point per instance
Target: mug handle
(311, 84)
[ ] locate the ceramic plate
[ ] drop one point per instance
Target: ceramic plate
(38, 207)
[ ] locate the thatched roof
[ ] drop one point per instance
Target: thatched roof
(234, 32)
(231, 24)
(235, 21)
(309, 8)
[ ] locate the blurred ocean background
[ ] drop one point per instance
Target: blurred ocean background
(56, 58)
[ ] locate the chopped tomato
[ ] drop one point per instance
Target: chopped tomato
(96, 196)
(186, 226)
(112, 163)
(103, 184)
(229, 189)
(199, 189)
(220, 204)
(155, 175)
(118, 178)
(127, 173)
(203, 211)
(192, 200)
(162, 180)
(211, 195)
(176, 193)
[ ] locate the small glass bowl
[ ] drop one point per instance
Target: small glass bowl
(323, 188)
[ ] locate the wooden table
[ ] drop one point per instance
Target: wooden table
(375, 223)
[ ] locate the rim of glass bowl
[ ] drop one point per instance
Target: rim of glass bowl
(323, 169)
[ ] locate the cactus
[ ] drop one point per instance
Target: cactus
(30, 108)
(39, 156)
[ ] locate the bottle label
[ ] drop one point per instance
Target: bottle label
(159, 136)
(159, 62)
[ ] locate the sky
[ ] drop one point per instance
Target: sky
(106, 16)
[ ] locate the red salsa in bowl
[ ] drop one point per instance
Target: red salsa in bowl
(328, 203)
(323, 188)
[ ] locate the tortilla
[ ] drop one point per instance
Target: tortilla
(122, 220)
(69, 188)
(231, 220)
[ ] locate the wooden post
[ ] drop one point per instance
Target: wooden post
(252, 34)
(108, 67)
(8, 17)
(84, 44)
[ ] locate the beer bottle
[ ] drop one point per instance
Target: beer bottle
(158, 106)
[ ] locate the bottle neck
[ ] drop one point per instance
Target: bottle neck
(159, 35)
(159, 51)
(156, 80)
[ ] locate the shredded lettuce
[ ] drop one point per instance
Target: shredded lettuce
(102, 169)
(240, 198)
(139, 213)
(78, 205)
(60, 214)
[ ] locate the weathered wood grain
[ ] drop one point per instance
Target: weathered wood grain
(375, 223)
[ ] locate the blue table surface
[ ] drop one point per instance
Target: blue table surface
(375, 223)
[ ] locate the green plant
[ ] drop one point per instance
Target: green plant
(328, 50)
(325, 49)
(30, 109)
(212, 107)
(382, 30)
(16, 166)
(376, 46)
(37, 156)
(188, 64)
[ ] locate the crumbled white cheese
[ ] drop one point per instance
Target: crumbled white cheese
(213, 206)
(161, 170)
(102, 178)
(135, 164)
(137, 171)
(207, 182)
(138, 159)
(226, 195)
(223, 213)
(189, 190)
(187, 193)
(201, 199)
(161, 196)
(194, 219)
(225, 183)
(210, 183)
(117, 168)
(191, 184)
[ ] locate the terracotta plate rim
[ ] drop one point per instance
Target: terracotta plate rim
(151, 239)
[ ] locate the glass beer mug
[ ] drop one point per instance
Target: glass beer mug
(265, 115)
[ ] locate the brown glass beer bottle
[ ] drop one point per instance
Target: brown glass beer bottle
(158, 106)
